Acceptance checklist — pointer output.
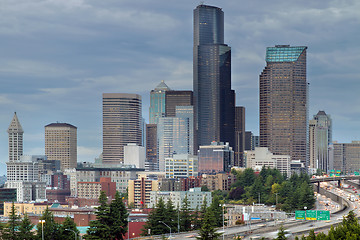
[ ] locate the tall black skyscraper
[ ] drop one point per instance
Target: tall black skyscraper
(213, 98)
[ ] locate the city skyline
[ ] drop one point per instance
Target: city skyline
(59, 57)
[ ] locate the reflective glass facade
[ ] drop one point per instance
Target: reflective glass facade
(214, 158)
(214, 100)
(239, 147)
(283, 53)
(320, 136)
(175, 134)
(284, 103)
(157, 102)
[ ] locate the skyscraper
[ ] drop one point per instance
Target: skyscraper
(121, 125)
(157, 102)
(175, 134)
(284, 103)
(61, 144)
(15, 133)
(320, 136)
(151, 147)
(213, 98)
(239, 147)
(176, 98)
(22, 171)
(163, 103)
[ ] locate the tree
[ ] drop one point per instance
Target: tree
(118, 218)
(25, 229)
(185, 216)
(171, 216)
(236, 193)
(100, 228)
(155, 218)
(67, 228)
(196, 218)
(216, 208)
(51, 228)
(208, 228)
(10, 229)
(281, 234)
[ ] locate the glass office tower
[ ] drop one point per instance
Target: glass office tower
(214, 100)
(320, 136)
(284, 103)
(157, 102)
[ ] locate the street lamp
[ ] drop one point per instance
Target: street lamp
(305, 211)
(259, 198)
(167, 226)
(72, 231)
(42, 228)
(276, 199)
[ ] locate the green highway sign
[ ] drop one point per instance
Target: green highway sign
(311, 215)
(300, 215)
(323, 215)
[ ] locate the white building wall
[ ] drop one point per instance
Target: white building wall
(261, 156)
(134, 155)
(195, 197)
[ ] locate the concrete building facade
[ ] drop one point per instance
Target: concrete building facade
(139, 191)
(61, 144)
(195, 197)
(134, 155)
(122, 124)
(262, 157)
(181, 166)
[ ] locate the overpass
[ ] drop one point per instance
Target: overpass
(332, 179)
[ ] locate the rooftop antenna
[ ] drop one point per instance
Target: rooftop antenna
(202, 3)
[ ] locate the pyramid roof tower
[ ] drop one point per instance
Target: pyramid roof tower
(15, 126)
(162, 86)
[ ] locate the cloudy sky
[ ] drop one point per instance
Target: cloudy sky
(58, 57)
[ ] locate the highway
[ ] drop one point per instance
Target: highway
(295, 227)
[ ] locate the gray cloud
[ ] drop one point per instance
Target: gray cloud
(58, 57)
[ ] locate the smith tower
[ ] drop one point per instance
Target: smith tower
(214, 100)
(284, 102)
(15, 132)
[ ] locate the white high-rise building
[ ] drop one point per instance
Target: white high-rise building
(15, 133)
(320, 136)
(22, 171)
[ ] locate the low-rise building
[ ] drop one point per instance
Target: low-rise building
(27, 207)
(262, 157)
(217, 157)
(181, 166)
(219, 181)
(139, 191)
(195, 197)
(118, 175)
(91, 190)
